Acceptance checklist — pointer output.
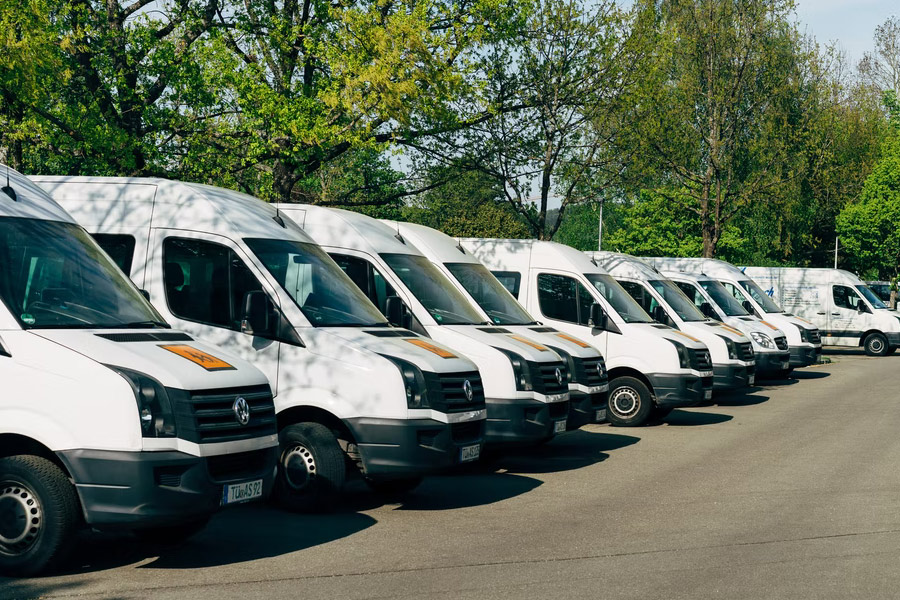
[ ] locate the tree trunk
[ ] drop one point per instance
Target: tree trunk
(282, 182)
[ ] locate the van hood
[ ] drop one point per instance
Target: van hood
(425, 353)
(175, 359)
(749, 324)
(723, 330)
(798, 321)
(548, 336)
(673, 335)
(503, 338)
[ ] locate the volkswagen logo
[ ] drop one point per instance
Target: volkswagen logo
(600, 369)
(241, 410)
(559, 377)
(467, 389)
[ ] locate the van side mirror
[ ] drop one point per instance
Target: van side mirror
(145, 294)
(396, 312)
(598, 319)
(748, 306)
(257, 311)
(861, 308)
(708, 311)
(659, 315)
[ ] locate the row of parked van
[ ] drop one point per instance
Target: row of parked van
(333, 345)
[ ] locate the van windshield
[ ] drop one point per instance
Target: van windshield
(322, 291)
(762, 298)
(869, 295)
(675, 298)
(490, 294)
(54, 275)
(725, 301)
(445, 304)
(621, 301)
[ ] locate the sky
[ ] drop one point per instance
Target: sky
(851, 23)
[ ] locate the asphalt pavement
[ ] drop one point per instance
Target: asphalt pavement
(791, 490)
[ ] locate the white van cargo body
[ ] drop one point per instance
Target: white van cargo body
(804, 340)
(837, 302)
(652, 368)
(770, 345)
(731, 351)
(348, 387)
(109, 418)
(588, 381)
(524, 382)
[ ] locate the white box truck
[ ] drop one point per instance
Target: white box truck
(846, 311)
(109, 418)
(349, 389)
(652, 368)
(731, 351)
(804, 339)
(587, 378)
(525, 385)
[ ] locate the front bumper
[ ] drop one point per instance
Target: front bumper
(522, 421)
(132, 490)
(771, 363)
(803, 356)
(731, 376)
(893, 338)
(401, 448)
(680, 389)
(586, 408)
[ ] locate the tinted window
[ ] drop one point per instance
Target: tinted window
(845, 297)
(640, 295)
(677, 301)
(725, 301)
(367, 278)
(760, 296)
(206, 282)
(490, 294)
(564, 299)
(628, 309)
(510, 281)
(874, 300)
(120, 248)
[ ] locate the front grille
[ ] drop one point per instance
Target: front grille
(467, 433)
(813, 336)
(781, 343)
(226, 467)
(208, 416)
(745, 351)
(700, 360)
(544, 380)
(446, 391)
(559, 410)
(587, 372)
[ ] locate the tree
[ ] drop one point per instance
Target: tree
(881, 68)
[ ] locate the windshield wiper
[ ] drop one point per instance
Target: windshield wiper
(144, 325)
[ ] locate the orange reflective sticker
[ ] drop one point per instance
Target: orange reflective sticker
(769, 325)
(198, 357)
(430, 347)
(690, 337)
(575, 341)
(731, 329)
(527, 342)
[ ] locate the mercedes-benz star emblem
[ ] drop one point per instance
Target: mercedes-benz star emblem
(467, 389)
(241, 410)
(559, 377)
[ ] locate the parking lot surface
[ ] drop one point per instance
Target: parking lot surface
(789, 491)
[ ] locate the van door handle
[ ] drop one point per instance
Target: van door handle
(821, 313)
(836, 314)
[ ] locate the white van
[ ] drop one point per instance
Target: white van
(349, 389)
(588, 381)
(770, 347)
(524, 382)
(804, 340)
(837, 302)
(652, 367)
(730, 350)
(109, 418)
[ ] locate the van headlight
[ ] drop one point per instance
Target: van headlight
(762, 339)
(804, 334)
(413, 383)
(521, 372)
(731, 346)
(684, 357)
(157, 417)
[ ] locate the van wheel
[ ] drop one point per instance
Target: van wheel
(393, 487)
(876, 344)
(628, 403)
(39, 515)
(172, 534)
(311, 470)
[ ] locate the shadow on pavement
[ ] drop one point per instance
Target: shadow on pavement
(749, 398)
(693, 418)
(37, 588)
(775, 381)
(461, 491)
(569, 451)
(811, 374)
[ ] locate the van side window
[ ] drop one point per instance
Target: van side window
(120, 248)
(735, 291)
(206, 282)
(510, 280)
(845, 297)
(564, 299)
(691, 292)
(641, 295)
(367, 278)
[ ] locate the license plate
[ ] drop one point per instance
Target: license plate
(601, 415)
(752, 379)
(559, 426)
(707, 394)
(242, 492)
(469, 453)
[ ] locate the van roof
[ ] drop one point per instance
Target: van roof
(713, 267)
(676, 275)
(536, 254)
(101, 201)
(806, 275)
(329, 227)
(625, 265)
(435, 245)
(31, 201)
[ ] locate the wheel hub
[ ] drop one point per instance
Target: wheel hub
(625, 401)
(299, 467)
(20, 518)
(876, 345)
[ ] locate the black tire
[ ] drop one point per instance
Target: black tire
(171, 534)
(891, 351)
(876, 344)
(32, 487)
(659, 413)
(629, 402)
(393, 487)
(311, 469)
